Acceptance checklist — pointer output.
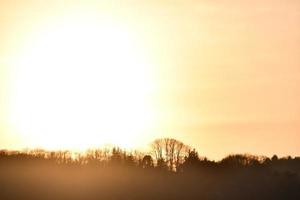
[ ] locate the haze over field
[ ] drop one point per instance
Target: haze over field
(221, 76)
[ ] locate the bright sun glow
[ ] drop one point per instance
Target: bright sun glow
(82, 84)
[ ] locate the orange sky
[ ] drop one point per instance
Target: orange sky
(226, 74)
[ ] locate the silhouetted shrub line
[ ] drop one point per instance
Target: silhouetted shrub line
(171, 170)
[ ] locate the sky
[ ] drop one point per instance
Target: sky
(220, 76)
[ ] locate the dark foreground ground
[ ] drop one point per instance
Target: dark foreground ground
(29, 181)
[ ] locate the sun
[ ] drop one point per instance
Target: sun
(80, 84)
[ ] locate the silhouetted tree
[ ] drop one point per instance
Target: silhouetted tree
(157, 149)
(169, 151)
(190, 161)
(274, 158)
(147, 162)
(116, 157)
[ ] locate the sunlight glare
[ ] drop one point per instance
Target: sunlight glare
(80, 85)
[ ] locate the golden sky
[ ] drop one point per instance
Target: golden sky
(222, 76)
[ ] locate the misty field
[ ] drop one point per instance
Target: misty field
(117, 174)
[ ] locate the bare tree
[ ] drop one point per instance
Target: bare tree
(181, 151)
(157, 149)
(169, 150)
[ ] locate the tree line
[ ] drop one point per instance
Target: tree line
(170, 170)
(166, 154)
